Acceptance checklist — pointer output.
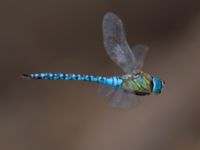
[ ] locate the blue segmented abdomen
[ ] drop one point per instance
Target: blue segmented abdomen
(114, 81)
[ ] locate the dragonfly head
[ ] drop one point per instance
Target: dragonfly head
(158, 85)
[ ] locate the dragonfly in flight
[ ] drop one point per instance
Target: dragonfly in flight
(123, 90)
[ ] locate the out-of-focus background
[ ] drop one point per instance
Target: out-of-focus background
(66, 36)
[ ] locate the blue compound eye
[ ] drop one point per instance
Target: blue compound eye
(158, 85)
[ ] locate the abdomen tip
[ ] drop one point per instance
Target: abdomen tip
(26, 76)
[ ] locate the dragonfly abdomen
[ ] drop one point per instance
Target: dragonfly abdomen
(114, 81)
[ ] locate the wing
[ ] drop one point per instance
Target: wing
(116, 44)
(140, 51)
(122, 99)
(104, 90)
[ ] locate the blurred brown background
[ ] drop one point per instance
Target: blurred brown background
(66, 36)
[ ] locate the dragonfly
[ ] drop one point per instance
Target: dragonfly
(123, 91)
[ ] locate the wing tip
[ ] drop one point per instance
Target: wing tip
(110, 14)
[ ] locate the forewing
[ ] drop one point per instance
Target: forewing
(140, 51)
(122, 99)
(116, 44)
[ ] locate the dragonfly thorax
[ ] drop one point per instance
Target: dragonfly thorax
(139, 83)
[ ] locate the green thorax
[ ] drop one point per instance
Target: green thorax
(140, 83)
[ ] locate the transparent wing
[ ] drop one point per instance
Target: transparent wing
(104, 90)
(122, 99)
(140, 51)
(116, 44)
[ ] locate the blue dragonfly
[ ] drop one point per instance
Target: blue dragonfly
(123, 90)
